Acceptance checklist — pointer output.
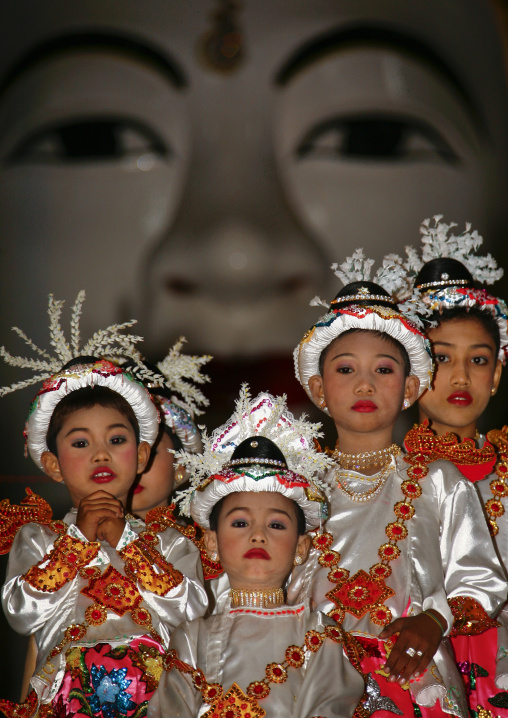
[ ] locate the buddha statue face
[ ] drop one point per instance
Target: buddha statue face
(199, 165)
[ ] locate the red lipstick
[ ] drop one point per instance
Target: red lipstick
(364, 406)
(257, 553)
(138, 489)
(103, 475)
(460, 398)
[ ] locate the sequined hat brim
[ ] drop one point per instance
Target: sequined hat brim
(374, 318)
(289, 484)
(102, 373)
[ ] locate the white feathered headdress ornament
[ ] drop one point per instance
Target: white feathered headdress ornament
(213, 477)
(107, 345)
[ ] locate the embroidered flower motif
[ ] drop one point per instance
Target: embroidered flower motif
(295, 656)
(110, 695)
(360, 594)
(276, 673)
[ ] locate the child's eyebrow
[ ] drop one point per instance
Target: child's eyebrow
(245, 508)
(87, 430)
(237, 508)
(472, 346)
(378, 356)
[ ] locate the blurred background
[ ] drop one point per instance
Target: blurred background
(199, 165)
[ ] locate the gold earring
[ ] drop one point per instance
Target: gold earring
(298, 560)
(322, 404)
(493, 391)
(180, 473)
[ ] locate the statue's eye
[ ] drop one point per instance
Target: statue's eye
(375, 138)
(90, 139)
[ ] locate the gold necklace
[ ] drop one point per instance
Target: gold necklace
(362, 496)
(263, 598)
(365, 459)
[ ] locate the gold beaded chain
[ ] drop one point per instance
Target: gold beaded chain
(365, 459)
(235, 702)
(363, 496)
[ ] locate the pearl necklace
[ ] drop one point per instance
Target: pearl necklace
(363, 496)
(263, 598)
(366, 459)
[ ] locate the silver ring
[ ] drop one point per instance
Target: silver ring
(419, 654)
(411, 651)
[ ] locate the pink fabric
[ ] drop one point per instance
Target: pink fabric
(402, 698)
(107, 681)
(476, 655)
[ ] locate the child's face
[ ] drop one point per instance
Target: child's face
(363, 384)
(96, 450)
(467, 371)
(155, 484)
(257, 539)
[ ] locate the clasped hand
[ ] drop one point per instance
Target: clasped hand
(101, 517)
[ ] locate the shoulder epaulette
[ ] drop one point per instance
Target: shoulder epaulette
(31, 509)
(163, 517)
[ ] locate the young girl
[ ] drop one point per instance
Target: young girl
(97, 589)
(469, 342)
(398, 541)
(175, 373)
(258, 656)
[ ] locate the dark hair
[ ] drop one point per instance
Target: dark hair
(156, 391)
(87, 398)
(353, 288)
(381, 335)
(484, 317)
(258, 447)
(434, 270)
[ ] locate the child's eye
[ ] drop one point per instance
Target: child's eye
(384, 370)
(479, 361)
(239, 524)
(441, 358)
(80, 443)
(118, 440)
(344, 370)
(277, 525)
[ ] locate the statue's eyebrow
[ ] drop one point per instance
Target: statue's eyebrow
(131, 46)
(370, 36)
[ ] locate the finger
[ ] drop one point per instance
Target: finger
(393, 627)
(99, 493)
(397, 659)
(95, 517)
(425, 659)
(102, 504)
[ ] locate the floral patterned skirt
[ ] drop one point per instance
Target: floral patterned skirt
(384, 699)
(108, 682)
(476, 659)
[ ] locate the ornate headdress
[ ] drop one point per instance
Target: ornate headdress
(179, 373)
(449, 270)
(366, 304)
(216, 473)
(108, 344)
